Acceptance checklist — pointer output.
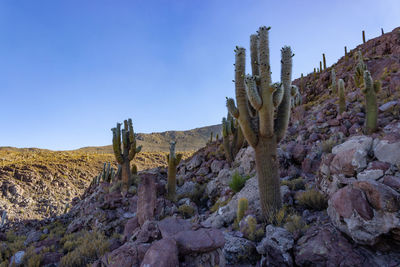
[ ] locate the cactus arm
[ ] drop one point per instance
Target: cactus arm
(243, 111)
(254, 54)
(266, 113)
(283, 111)
(278, 94)
(230, 104)
(252, 92)
(117, 143)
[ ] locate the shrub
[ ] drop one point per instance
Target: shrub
(313, 199)
(295, 223)
(219, 203)
(83, 248)
(186, 210)
(296, 184)
(327, 145)
(237, 182)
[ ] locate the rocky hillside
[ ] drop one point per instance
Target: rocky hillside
(340, 188)
(190, 140)
(37, 183)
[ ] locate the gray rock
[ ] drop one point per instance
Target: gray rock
(194, 162)
(246, 160)
(276, 246)
(216, 166)
(387, 151)
(186, 189)
(16, 260)
(239, 250)
(388, 106)
(369, 175)
(32, 237)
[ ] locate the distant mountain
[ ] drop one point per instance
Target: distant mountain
(189, 140)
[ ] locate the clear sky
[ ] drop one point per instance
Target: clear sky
(69, 70)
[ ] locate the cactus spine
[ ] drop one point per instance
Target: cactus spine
(232, 137)
(270, 129)
(371, 105)
(173, 161)
(243, 204)
(128, 151)
(324, 59)
(342, 99)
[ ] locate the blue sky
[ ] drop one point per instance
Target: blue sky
(69, 70)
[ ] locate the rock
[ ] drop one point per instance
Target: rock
(16, 259)
(276, 246)
(32, 237)
(162, 253)
(216, 166)
(392, 181)
(130, 226)
(388, 149)
(171, 226)
(388, 106)
(112, 200)
(195, 162)
(128, 255)
(208, 259)
(148, 232)
(239, 250)
(367, 175)
(199, 241)
(203, 171)
(51, 258)
(325, 246)
(187, 189)
(246, 160)
(365, 210)
(147, 199)
(351, 156)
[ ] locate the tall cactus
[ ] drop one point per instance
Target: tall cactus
(128, 151)
(173, 161)
(324, 59)
(363, 36)
(342, 99)
(371, 105)
(359, 71)
(265, 98)
(232, 136)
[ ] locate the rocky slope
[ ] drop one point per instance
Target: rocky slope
(340, 188)
(190, 140)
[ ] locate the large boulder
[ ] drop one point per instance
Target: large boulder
(199, 241)
(128, 255)
(239, 250)
(388, 148)
(146, 204)
(365, 210)
(162, 253)
(276, 246)
(325, 246)
(351, 156)
(246, 160)
(171, 226)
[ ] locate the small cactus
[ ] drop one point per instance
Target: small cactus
(243, 204)
(173, 161)
(363, 36)
(382, 31)
(320, 66)
(211, 137)
(371, 105)
(324, 59)
(128, 151)
(342, 100)
(345, 53)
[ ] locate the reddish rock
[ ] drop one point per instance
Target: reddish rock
(333, 122)
(378, 165)
(199, 241)
(128, 255)
(148, 232)
(147, 199)
(379, 195)
(342, 163)
(162, 253)
(325, 246)
(171, 226)
(392, 181)
(130, 226)
(112, 200)
(347, 200)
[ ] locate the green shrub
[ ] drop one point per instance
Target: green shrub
(187, 211)
(313, 199)
(296, 184)
(237, 182)
(83, 248)
(295, 223)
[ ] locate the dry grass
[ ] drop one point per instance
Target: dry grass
(313, 199)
